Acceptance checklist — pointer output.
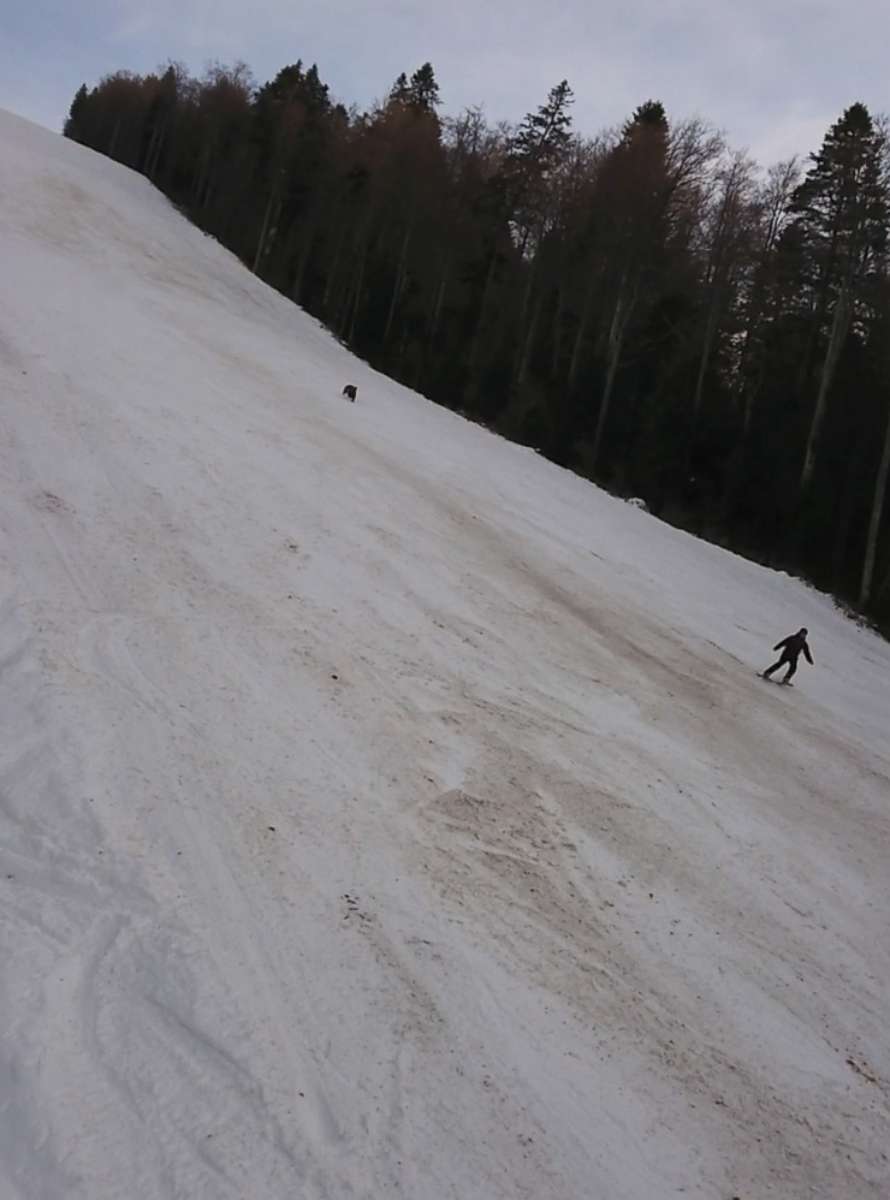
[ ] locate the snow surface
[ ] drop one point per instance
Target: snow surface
(383, 810)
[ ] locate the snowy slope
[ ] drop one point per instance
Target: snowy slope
(384, 811)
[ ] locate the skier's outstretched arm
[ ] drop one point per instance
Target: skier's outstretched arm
(809, 656)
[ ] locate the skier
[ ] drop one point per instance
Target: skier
(791, 648)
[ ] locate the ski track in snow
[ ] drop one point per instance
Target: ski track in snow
(384, 811)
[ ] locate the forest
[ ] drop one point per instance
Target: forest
(646, 306)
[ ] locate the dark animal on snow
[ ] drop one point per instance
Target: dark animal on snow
(350, 392)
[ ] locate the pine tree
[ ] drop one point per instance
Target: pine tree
(400, 92)
(632, 198)
(75, 124)
(290, 135)
(534, 153)
(159, 119)
(423, 91)
(842, 212)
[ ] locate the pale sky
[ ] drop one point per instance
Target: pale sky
(773, 74)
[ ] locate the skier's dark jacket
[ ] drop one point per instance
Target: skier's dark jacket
(792, 646)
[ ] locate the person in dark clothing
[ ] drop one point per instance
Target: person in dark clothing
(791, 648)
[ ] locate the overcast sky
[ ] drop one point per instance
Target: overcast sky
(772, 74)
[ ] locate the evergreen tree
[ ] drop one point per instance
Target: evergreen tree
(841, 211)
(423, 91)
(400, 92)
(631, 215)
(159, 119)
(75, 125)
(534, 154)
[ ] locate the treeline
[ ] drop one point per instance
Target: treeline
(647, 307)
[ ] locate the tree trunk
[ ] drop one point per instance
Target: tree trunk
(398, 285)
(145, 163)
(705, 360)
(360, 278)
(698, 394)
(302, 263)
(440, 300)
(556, 356)
(529, 326)
(818, 310)
(839, 326)
(580, 336)
(209, 191)
(750, 397)
(845, 509)
(261, 244)
(528, 344)
(483, 308)
(527, 291)
(877, 510)
(740, 390)
(885, 586)
(623, 308)
(746, 394)
(200, 177)
(331, 279)
(158, 138)
(114, 136)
